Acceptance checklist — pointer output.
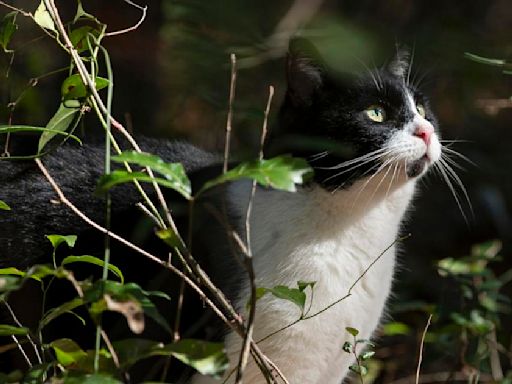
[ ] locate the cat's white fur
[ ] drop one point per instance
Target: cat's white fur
(332, 239)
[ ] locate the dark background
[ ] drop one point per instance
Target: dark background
(172, 80)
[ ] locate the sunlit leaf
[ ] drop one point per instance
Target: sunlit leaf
(60, 122)
(169, 237)
(347, 347)
(95, 261)
(294, 295)
(359, 369)
(173, 172)
(67, 351)
(282, 172)
(43, 18)
(4, 206)
(121, 177)
(367, 355)
(8, 330)
(7, 28)
(73, 87)
(9, 284)
(206, 357)
(11, 271)
(57, 240)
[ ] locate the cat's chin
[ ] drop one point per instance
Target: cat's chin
(417, 167)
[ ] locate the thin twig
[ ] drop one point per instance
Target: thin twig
(144, 10)
(420, 356)
(229, 120)
(348, 294)
(15, 339)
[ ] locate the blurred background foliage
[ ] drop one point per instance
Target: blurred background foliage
(172, 80)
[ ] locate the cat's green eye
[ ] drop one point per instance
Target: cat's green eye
(421, 110)
(376, 113)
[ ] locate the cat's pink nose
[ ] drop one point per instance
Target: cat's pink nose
(424, 132)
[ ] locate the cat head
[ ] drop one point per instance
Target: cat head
(350, 126)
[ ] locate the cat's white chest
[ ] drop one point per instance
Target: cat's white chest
(313, 236)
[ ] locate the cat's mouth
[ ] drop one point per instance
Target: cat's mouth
(415, 168)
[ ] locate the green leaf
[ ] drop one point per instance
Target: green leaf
(488, 250)
(296, 296)
(67, 351)
(43, 18)
(73, 87)
(206, 357)
(304, 284)
(60, 310)
(11, 271)
(80, 35)
(97, 378)
(93, 260)
(30, 128)
(57, 240)
(39, 272)
(173, 172)
(4, 206)
(347, 347)
(395, 328)
(8, 330)
(282, 172)
(169, 237)
(354, 332)
(9, 284)
(59, 122)
(7, 28)
(120, 177)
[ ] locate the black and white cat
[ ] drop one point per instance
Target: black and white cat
(379, 137)
(368, 137)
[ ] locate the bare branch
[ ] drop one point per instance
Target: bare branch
(144, 10)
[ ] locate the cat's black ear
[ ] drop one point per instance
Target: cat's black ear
(305, 71)
(399, 66)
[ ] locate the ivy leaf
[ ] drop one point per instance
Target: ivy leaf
(43, 18)
(8, 330)
(7, 28)
(73, 87)
(59, 122)
(354, 332)
(121, 177)
(4, 206)
(173, 172)
(294, 295)
(93, 260)
(282, 172)
(67, 351)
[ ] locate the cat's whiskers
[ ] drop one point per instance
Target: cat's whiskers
(456, 179)
(355, 160)
(318, 156)
(458, 154)
(397, 167)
